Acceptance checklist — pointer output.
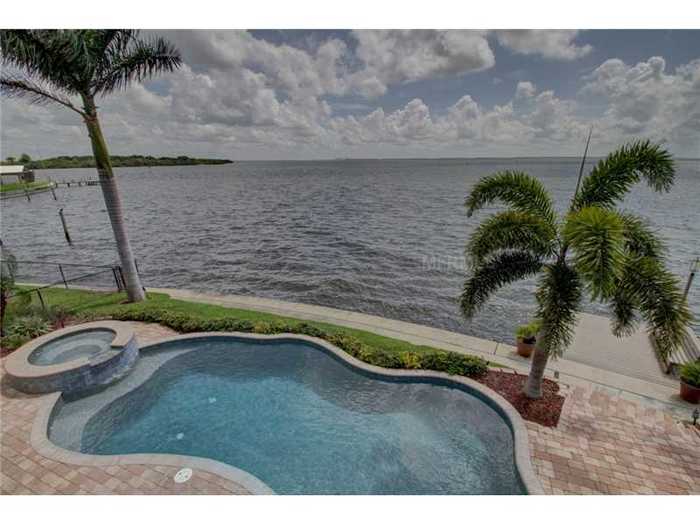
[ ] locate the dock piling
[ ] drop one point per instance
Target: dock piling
(693, 270)
(65, 226)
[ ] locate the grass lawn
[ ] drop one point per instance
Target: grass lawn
(90, 303)
(15, 186)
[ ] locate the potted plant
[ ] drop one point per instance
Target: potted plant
(526, 337)
(690, 382)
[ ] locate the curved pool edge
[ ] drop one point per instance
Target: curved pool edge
(523, 464)
(75, 374)
(42, 444)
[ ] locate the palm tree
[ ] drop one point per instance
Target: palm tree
(56, 67)
(612, 256)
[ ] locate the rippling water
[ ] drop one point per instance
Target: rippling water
(378, 236)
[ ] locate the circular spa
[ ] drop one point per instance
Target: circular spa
(73, 359)
(298, 416)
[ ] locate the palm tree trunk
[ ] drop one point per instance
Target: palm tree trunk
(533, 385)
(110, 192)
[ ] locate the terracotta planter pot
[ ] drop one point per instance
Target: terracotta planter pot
(690, 393)
(524, 349)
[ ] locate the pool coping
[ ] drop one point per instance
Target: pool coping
(41, 443)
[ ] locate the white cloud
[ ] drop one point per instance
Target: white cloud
(239, 96)
(412, 123)
(289, 70)
(550, 43)
(396, 56)
(525, 90)
(546, 119)
(646, 100)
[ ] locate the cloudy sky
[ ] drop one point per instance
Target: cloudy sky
(325, 94)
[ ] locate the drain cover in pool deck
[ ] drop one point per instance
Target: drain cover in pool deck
(183, 475)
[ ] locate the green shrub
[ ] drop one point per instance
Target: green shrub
(22, 304)
(29, 327)
(241, 325)
(455, 364)
(282, 327)
(378, 357)
(58, 315)
(346, 343)
(410, 360)
(528, 332)
(263, 327)
(450, 362)
(307, 329)
(13, 341)
(690, 373)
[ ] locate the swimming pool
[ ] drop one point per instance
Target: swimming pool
(299, 418)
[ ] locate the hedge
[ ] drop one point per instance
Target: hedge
(442, 361)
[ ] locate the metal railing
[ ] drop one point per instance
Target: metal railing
(110, 277)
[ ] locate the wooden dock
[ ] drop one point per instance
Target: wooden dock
(51, 185)
(80, 182)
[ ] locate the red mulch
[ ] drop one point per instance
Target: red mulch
(544, 411)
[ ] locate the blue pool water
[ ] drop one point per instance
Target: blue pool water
(73, 346)
(298, 419)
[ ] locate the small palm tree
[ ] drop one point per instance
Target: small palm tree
(55, 67)
(612, 256)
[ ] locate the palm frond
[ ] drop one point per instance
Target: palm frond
(597, 239)
(516, 189)
(614, 175)
(42, 54)
(558, 298)
(34, 92)
(658, 297)
(501, 269)
(624, 305)
(114, 42)
(108, 46)
(640, 239)
(141, 60)
(512, 230)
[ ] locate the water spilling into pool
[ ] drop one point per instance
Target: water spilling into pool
(74, 346)
(298, 419)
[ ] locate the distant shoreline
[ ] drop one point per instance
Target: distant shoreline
(118, 161)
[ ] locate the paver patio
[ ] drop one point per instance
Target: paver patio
(24, 471)
(603, 444)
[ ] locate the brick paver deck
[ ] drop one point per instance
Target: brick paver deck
(24, 471)
(603, 444)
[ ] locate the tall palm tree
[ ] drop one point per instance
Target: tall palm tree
(613, 256)
(60, 66)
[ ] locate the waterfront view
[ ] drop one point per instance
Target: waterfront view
(394, 231)
(368, 262)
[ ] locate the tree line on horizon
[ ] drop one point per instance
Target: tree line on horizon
(118, 161)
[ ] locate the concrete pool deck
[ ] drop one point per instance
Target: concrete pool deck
(625, 367)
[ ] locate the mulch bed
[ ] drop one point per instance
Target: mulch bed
(544, 411)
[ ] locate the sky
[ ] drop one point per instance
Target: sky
(274, 95)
